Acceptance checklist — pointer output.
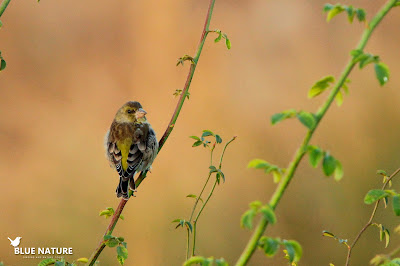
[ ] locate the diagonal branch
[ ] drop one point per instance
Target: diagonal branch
(167, 132)
(281, 188)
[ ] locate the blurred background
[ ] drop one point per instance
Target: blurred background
(72, 64)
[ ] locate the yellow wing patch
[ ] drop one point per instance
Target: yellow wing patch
(124, 146)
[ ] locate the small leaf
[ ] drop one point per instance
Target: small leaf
(320, 86)
(396, 204)
(338, 171)
(120, 239)
(277, 176)
(276, 118)
(84, 260)
(218, 139)
(315, 155)
(328, 164)
(176, 220)
(3, 64)
(259, 164)
(328, 7)
(194, 260)
(350, 13)
(190, 196)
(194, 137)
(374, 195)
(255, 205)
(382, 73)
(218, 38)
(270, 245)
(328, 234)
(381, 172)
(189, 225)
(387, 237)
(296, 247)
(307, 119)
(112, 243)
(197, 143)
(120, 260)
(207, 133)
(122, 251)
(268, 213)
(228, 43)
(361, 14)
(107, 237)
(337, 9)
(247, 219)
(339, 98)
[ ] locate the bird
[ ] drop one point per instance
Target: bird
(15, 242)
(131, 145)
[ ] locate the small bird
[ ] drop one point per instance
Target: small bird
(15, 242)
(131, 145)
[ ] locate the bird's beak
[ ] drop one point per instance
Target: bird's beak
(140, 113)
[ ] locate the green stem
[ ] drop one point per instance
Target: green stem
(198, 216)
(3, 6)
(188, 244)
(167, 132)
(369, 223)
(279, 191)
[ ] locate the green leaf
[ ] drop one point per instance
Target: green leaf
(374, 195)
(46, 262)
(106, 213)
(328, 164)
(339, 98)
(270, 245)
(361, 14)
(381, 172)
(315, 155)
(120, 239)
(189, 226)
(112, 243)
(368, 59)
(122, 252)
(320, 86)
(219, 37)
(276, 118)
(328, 7)
(194, 260)
(2, 64)
(387, 237)
(337, 9)
(176, 220)
(83, 260)
(218, 139)
(258, 164)
(247, 219)
(396, 204)
(294, 250)
(1, 24)
(277, 176)
(255, 205)
(382, 73)
(338, 171)
(228, 43)
(197, 143)
(194, 137)
(350, 13)
(328, 234)
(107, 237)
(268, 213)
(121, 260)
(307, 119)
(207, 133)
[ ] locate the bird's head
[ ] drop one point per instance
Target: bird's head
(131, 112)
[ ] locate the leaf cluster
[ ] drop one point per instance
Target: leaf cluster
(122, 251)
(270, 246)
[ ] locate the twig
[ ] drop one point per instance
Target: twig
(279, 191)
(168, 131)
(370, 219)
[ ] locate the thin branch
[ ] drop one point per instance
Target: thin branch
(168, 131)
(279, 191)
(370, 219)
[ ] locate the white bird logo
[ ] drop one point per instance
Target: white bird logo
(15, 242)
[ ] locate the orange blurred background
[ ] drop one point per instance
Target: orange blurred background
(72, 64)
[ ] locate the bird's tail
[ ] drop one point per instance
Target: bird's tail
(122, 189)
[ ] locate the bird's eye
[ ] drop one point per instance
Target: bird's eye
(130, 111)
